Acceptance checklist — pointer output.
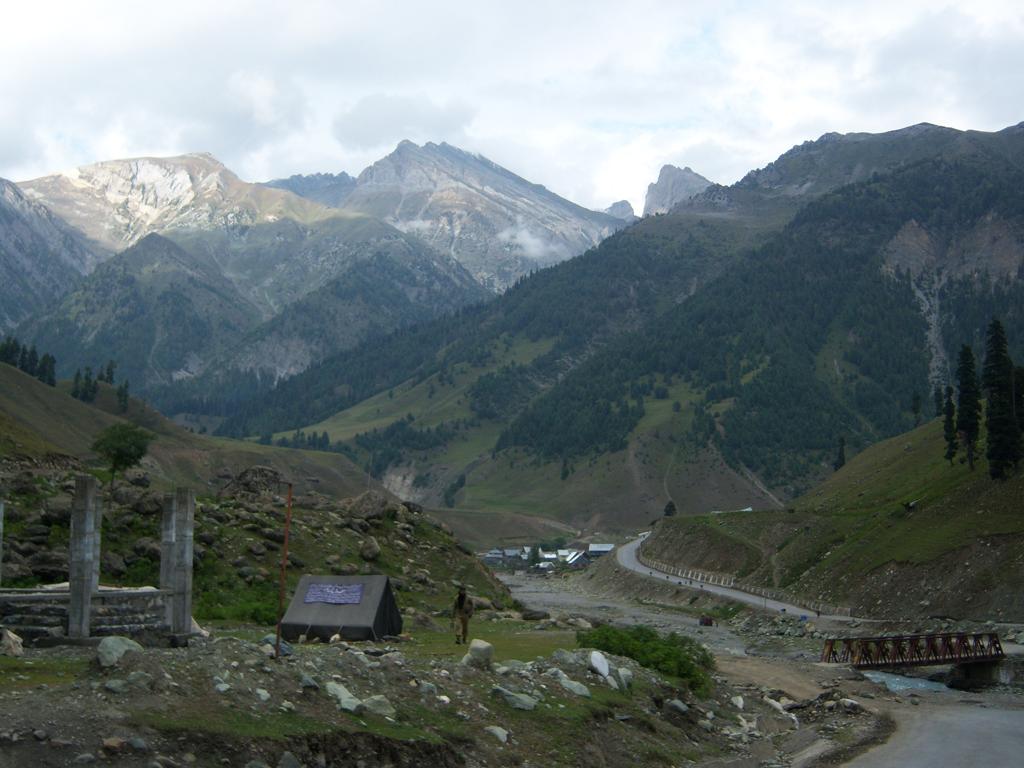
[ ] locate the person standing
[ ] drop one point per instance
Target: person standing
(461, 614)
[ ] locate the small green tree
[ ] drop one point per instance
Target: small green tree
(670, 508)
(915, 408)
(122, 446)
(949, 427)
(940, 401)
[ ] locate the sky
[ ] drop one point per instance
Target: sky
(588, 98)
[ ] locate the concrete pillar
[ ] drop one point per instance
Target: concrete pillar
(167, 554)
(1, 541)
(84, 548)
(181, 576)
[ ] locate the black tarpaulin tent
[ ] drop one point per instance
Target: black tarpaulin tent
(355, 607)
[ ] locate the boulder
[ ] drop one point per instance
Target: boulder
(480, 655)
(599, 664)
(288, 760)
(111, 649)
(533, 615)
(370, 550)
(574, 687)
(10, 644)
(346, 701)
(499, 733)
(378, 705)
(677, 706)
(737, 701)
(515, 700)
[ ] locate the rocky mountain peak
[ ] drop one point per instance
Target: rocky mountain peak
(495, 223)
(674, 185)
(117, 202)
(621, 210)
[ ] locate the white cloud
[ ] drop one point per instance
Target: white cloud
(587, 98)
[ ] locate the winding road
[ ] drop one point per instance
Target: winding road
(626, 556)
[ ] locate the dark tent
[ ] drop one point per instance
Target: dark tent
(355, 607)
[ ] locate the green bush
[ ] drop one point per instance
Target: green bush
(671, 655)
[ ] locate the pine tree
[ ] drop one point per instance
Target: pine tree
(1003, 447)
(46, 372)
(76, 385)
(940, 402)
(949, 426)
(1018, 396)
(87, 392)
(915, 408)
(840, 461)
(968, 416)
(109, 372)
(32, 363)
(122, 396)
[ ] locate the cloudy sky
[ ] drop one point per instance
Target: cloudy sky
(589, 98)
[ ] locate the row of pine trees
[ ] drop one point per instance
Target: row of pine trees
(28, 360)
(1002, 384)
(84, 386)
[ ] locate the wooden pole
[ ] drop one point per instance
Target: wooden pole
(284, 565)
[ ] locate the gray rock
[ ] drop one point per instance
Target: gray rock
(40, 735)
(515, 700)
(86, 758)
(286, 648)
(111, 649)
(428, 689)
(573, 687)
(850, 705)
(346, 701)
(256, 764)
(141, 680)
(378, 705)
(116, 686)
(624, 678)
(288, 760)
(499, 733)
(309, 683)
(737, 701)
(677, 706)
(262, 694)
(480, 654)
(137, 744)
(222, 687)
(370, 549)
(599, 664)
(564, 658)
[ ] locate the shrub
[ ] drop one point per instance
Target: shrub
(672, 655)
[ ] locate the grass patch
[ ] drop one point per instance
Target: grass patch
(511, 640)
(18, 673)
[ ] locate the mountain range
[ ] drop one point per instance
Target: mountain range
(713, 355)
(268, 280)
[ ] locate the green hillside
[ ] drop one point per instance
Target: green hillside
(895, 531)
(37, 421)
